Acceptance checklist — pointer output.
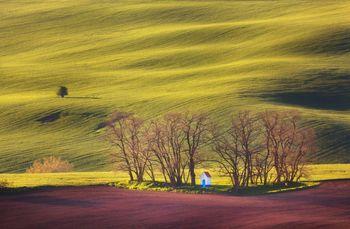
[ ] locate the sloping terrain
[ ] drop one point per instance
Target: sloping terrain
(151, 57)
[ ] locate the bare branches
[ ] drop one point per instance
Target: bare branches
(127, 134)
(287, 143)
(254, 148)
(236, 147)
(253, 145)
(167, 142)
(195, 129)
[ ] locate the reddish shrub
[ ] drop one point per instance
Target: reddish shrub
(50, 165)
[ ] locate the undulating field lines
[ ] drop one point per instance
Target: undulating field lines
(153, 57)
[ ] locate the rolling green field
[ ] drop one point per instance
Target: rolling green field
(152, 57)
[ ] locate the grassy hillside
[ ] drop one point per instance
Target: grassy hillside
(151, 57)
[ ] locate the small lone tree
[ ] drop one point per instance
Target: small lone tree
(62, 91)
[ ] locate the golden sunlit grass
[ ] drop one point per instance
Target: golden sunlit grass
(152, 57)
(316, 173)
(62, 179)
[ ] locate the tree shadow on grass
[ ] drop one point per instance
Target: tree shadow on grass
(51, 117)
(214, 189)
(81, 97)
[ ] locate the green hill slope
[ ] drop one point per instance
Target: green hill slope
(152, 57)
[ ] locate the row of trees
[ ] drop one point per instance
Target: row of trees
(253, 148)
(268, 147)
(169, 144)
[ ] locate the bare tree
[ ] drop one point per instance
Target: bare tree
(225, 144)
(195, 127)
(265, 161)
(288, 143)
(246, 130)
(263, 165)
(127, 134)
(299, 144)
(167, 142)
(273, 128)
(236, 148)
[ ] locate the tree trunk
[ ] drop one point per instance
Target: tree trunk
(140, 178)
(192, 173)
(131, 176)
(152, 173)
(236, 183)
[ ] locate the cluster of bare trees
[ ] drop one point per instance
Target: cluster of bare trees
(169, 144)
(268, 147)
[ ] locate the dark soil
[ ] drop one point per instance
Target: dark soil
(327, 206)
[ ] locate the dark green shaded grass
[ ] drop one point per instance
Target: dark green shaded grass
(216, 189)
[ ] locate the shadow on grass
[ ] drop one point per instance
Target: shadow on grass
(166, 187)
(333, 41)
(81, 97)
(216, 189)
(317, 89)
(316, 100)
(51, 117)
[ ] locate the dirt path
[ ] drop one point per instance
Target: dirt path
(327, 206)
